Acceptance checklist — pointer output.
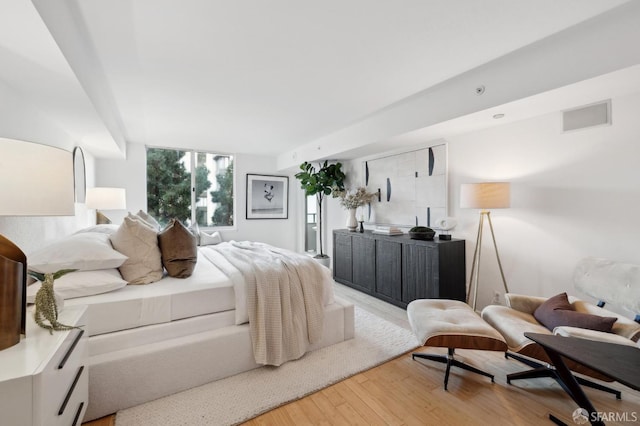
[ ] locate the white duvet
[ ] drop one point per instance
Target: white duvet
(281, 293)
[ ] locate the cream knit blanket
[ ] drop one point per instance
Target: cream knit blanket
(284, 299)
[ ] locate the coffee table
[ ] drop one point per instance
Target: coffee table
(619, 362)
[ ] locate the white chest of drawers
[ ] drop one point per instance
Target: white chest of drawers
(44, 378)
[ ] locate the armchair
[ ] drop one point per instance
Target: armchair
(592, 276)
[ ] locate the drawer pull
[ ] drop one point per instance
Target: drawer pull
(73, 386)
(73, 346)
(77, 417)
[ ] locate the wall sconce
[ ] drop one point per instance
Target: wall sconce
(37, 181)
(106, 199)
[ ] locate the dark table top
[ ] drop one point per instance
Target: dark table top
(620, 362)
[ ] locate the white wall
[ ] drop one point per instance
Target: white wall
(574, 195)
(21, 121)
(131, 174)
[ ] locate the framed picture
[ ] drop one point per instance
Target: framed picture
(267, 197)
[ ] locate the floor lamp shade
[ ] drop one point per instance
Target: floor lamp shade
(484, 196)
(37, 181)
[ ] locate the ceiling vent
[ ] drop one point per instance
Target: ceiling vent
(587, 116)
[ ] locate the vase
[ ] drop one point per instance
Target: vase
(352, 222)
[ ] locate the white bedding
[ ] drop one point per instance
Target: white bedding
(210, 289)
(285, 294)
(207, 291)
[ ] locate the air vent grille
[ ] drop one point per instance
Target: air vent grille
(587, 116)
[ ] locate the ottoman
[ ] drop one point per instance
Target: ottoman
(452, 324)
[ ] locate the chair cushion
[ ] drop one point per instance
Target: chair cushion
(452, 324)
(557, 311)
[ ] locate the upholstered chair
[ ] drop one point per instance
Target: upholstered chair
(517, 318)
(605, 280)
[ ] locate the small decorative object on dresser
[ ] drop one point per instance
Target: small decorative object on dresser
(351, 201)
(421, 233)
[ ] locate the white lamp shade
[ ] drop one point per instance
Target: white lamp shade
(488, 195)
(37, 180)
(106, 198)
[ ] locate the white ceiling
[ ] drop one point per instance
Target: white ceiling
(250, 75)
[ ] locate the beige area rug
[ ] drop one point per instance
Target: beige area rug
(244, 396)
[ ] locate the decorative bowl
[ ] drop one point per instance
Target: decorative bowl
(428, 235)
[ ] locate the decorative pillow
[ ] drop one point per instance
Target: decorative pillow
(210, 239)
(179, 249)
(140, 242)
(104, 229)
(85, 251)
(557, 311)
(149, 219)
(82, 283)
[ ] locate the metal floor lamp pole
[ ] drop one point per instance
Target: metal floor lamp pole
(475, 266)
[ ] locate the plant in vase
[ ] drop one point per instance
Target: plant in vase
(351, 201)
(46, 304)
(327, 180)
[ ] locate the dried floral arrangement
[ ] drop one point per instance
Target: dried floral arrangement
(356, 199)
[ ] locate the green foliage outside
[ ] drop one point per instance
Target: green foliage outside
(169, 189)
(168, 185)
(223, 216)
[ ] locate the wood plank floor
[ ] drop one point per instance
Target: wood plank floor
(407, 392)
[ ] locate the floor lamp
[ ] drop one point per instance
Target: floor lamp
(484, 196)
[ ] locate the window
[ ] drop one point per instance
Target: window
(194, 187)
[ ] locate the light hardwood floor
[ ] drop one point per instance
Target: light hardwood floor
(407, 392)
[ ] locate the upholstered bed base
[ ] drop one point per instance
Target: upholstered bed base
(126, 377)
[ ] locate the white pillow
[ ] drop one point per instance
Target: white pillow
(147, 219)
(210, 239)
(103, 228)
(82, 283)
(139, 242)
(86, 251)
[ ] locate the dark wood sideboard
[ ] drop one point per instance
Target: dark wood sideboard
(398, 269)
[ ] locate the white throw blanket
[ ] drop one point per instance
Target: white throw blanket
(284, 292)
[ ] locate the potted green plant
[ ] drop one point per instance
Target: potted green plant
(328, 179)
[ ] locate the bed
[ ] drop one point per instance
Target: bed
(149, 341)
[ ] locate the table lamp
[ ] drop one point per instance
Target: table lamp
(37, 181)
(484, 196)
(106, 199)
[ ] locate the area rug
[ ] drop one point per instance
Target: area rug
(246, 395)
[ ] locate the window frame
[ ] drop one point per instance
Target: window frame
(192, 165)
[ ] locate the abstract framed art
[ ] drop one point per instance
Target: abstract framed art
(267, 197)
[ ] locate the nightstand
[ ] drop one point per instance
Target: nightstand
(44, 378)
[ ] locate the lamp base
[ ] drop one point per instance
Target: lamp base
(444, 237)
(13, 280)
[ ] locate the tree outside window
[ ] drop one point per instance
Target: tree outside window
(204, 197)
